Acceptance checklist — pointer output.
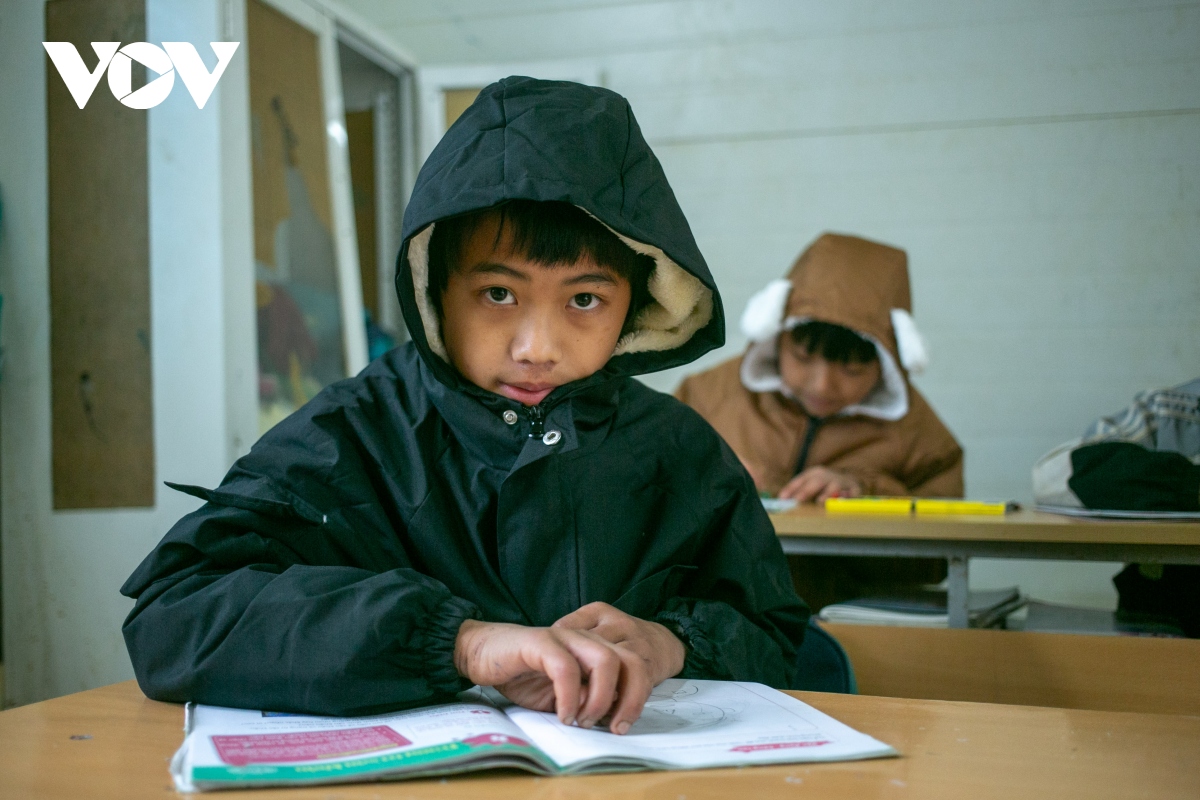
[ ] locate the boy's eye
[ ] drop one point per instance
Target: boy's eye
(500, 295)
(854, 370)
(803, 356)
(585, 300)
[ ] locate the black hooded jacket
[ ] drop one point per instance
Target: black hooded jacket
(330, 571)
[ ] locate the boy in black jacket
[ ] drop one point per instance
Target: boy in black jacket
(496, 502)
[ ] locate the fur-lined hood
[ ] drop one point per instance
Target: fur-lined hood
(847, 281)
(558, 141)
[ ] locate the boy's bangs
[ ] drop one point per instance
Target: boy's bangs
(547, 233)
(834, 343)
(552, 234)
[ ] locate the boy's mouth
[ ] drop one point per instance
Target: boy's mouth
(819, 406)
(529, 394)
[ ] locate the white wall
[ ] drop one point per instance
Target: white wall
(62, 570)
(1040, 161)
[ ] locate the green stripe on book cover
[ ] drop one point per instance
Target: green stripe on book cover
(333, 770)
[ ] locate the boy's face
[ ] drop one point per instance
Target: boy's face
(519, 328)
(824, 387)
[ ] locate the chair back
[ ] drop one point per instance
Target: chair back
(822, 664)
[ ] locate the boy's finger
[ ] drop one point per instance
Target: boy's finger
(560, 666)
(602, 665)
(574, 622)
(603, 680)
(805, 486)
(832, 490)
(614, 627)
(808, 488)
(581, 619)
(789, 491)
(633, 691)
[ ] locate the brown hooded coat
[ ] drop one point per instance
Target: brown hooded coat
(855, 283)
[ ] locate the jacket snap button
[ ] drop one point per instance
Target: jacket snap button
(510, 417)
(551, 437)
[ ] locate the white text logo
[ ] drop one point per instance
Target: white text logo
(165, 61)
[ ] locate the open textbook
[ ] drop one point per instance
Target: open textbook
(686, 724)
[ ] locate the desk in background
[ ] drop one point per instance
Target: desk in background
(949, 750)
(1144, 674)
(808, 530)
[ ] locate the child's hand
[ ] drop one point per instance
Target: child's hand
(576, 674)
(818, 484)
(662, 652)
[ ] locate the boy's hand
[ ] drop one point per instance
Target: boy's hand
(818, 484)
(577, 674)
(660, 649)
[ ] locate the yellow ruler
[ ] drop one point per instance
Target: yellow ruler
(902, 506)
(963, 507)
(869, 505)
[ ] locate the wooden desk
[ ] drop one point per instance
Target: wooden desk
(1102, 673)
(950, 750)
(808, 530)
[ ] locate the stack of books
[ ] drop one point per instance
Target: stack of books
(925, 608)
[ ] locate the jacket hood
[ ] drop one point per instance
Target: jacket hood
(559, 141)
(847, 281)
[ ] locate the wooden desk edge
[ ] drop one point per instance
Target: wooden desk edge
(1157, 755)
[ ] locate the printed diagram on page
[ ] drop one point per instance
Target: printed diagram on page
(674, 706)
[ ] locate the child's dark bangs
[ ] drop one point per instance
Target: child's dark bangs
(548, 233)
(834, 343)
(553, 233)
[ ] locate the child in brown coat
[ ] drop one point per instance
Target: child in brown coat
(820, 404)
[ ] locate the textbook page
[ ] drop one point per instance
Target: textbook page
(689, 724)
(685, 724)
(227, 747)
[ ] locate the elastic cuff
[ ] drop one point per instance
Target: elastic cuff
(701, 659)
(439, 635)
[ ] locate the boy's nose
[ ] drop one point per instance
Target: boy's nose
(535, 342)
(822, 380)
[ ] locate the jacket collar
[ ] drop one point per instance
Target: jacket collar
(579, 412)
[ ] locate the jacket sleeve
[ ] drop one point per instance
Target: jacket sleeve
(932, 459)
(946, 481)
(738, 613)
(878, 483)
(936, 477)
(292, 592)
